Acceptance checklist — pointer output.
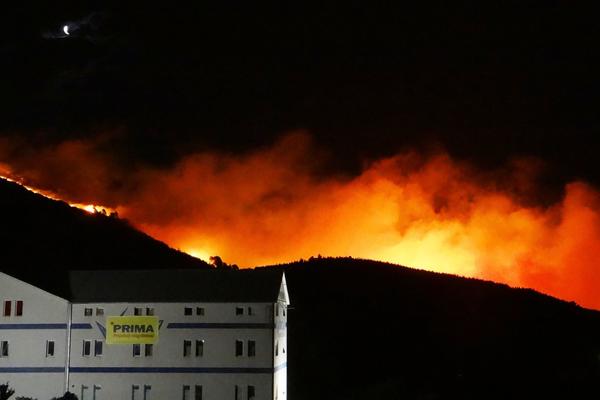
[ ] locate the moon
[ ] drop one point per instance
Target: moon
(66, 30)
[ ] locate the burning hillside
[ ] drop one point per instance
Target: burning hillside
(269, 206)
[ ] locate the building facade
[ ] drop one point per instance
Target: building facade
(221, 335)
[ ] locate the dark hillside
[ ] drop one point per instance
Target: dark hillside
(39, 236)
(368, 330)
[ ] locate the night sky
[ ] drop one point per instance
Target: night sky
(487, 83)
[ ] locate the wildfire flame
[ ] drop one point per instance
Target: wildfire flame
(431, 212)
(90, 208)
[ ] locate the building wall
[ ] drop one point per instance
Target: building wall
(27, 368)
(280, 352)
(116, 372)
(167, 370)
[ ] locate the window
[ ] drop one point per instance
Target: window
(283, 310)
(19, 308)
(147, 389)
(198, 392)
(4, 348)
(84, 390)
(87, 312)
(239, 311)
(187, 348)
(187, 311)
(135, 390)
(137, 311)
(199, 348)
(137, 350)
(186, 392)
(251, 348)
(249, 310)
(251, 392)
(87, 348)
(149, 311)
(148, 350)
(7, 308)
(98, 347)
(276, 348)
(200, 311)
(49, 348)
(99, 311)
(97, 388)
(237, 392)
(239, 348)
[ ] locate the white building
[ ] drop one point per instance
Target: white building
(222, 335)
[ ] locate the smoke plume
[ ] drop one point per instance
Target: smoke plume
(270, 205)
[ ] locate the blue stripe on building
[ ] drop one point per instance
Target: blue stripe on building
(28, 370)
(33, 326)
(200, 325)
(171, 370)
(280, 367)
(81, 326)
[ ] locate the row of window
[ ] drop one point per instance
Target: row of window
(189, 392)
(239, 348)
(89, 311)
(87, 348)
(8, 308)
(148, 348)
(4, 348)
(187, 311)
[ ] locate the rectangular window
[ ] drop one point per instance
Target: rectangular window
(239, 348)
(7, 308)
(4, 348)
(283, 309)
(250, 311)
(99, 311)
(49, 348)
(187, 311)
(87, 348)
(251, 392)
(19, 308)
(84, 390)
(137, 350)
(237, 392)
(87, 312)
(148, 350)
(147, 389)
(186, 392)
(187, 348)
(276, 348)
(135, 390)
(251, 348)
(149, 311)
(137, 311)
(198, 392)
(95, 394)
(98, 347)
(199, 348)
(200, 311)
(239, 311)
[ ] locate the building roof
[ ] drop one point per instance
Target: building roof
(164, 285)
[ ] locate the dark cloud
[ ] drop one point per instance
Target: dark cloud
(487, 83)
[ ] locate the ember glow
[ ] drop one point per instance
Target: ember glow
(430, 212)
(90, 208)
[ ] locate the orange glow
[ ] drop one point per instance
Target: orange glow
(430, 212)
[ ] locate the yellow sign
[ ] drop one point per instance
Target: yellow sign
(131, 330)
